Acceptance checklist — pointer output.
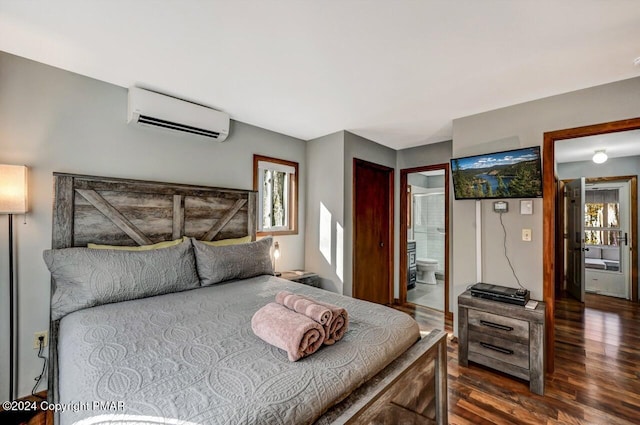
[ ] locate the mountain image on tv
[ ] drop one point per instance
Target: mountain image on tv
(509, 174)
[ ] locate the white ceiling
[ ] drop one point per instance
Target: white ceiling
(396, 72)
(626, 143)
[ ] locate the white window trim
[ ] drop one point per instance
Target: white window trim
(288, 227)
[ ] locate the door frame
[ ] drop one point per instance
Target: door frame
(390, 182)
(633, 201)
(551, 255)
(404, 226)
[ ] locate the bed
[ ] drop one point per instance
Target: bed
(189, 356)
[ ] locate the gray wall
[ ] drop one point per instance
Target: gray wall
(335, 190)
(325, 189)
(361, 148)
(436, 153)
(428, 182)
(53, 120)
(520, 126)
(417, 179)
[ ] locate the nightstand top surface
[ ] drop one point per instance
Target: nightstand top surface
(301, 274)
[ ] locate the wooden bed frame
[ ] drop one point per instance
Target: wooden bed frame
(113, 211)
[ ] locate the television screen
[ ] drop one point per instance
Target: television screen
(509, 174)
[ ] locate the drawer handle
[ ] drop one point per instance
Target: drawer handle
(496, 348)
(496, 325)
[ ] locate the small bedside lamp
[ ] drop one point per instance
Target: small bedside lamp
(13, 200)
(276, 255)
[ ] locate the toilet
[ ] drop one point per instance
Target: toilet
(426, 268)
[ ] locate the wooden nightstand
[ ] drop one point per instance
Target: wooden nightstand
(301, 276)
(505, 337)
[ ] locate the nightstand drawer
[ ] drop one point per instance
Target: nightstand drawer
(499, 349)
(500, 326)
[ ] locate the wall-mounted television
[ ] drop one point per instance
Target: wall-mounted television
(507, 174)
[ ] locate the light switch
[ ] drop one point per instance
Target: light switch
(526, 207)
(526, 235)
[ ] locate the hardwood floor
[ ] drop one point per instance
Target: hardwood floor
(596, 381)
(28, 417)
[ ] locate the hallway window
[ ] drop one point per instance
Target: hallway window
(602, 217)
(276, 183)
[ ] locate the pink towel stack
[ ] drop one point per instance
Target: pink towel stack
(295, 333)
(337, 319)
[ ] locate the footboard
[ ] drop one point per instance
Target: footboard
(412, 389)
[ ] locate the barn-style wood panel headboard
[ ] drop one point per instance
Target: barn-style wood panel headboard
(113, 211)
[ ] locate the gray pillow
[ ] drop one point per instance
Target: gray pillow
(611, 254)
(220, 263)
(88, 277)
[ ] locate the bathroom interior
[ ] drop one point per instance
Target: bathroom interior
(426, 239)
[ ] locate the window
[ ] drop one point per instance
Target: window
(276, 181)
(602, 217)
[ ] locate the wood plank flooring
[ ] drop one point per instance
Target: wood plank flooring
(596, 381)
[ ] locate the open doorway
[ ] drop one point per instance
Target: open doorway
(424, 237)
(553, 235)
(600, 261)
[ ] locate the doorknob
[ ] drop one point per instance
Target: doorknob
(381, 244)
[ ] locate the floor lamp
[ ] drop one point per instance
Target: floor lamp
(13, 200)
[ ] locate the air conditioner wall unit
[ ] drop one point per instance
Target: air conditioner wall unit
(151, 109)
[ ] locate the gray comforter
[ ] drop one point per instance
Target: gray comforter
(192, 356)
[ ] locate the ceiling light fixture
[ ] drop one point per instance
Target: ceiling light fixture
(599, 156)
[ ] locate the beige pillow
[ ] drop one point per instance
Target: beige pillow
(151, 247)
(226, 242)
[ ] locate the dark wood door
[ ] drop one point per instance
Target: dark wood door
(373, 230)
(576, 246)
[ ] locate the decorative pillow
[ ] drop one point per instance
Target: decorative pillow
(220, 263)
(88, 277)
(225, 242)
(611, 254)
(159, 245)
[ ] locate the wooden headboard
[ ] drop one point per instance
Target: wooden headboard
(113, 211)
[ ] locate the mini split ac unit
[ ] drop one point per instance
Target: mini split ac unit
(152, 109)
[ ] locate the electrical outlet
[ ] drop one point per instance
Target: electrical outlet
(526, 235)
(36, 339)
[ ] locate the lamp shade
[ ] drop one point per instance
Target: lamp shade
(13, 189)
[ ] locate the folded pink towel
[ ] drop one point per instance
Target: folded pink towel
(334, 328)
(295, 333)
(306, 306)
(338, 325)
